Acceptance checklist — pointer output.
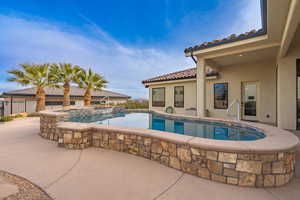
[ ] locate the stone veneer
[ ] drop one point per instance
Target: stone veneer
(49, 119)
(235, 167)
(48, 124)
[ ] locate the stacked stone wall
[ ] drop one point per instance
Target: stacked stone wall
(243, 169)
(48, 126)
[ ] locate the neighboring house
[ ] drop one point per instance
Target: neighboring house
(261, 69)
(1, 107)
(54, 98)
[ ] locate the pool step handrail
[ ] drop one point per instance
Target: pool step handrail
(237, 115)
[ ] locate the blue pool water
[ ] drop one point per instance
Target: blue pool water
(204, 129)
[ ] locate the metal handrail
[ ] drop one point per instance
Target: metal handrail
(237, 116)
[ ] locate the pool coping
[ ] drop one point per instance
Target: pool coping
(276, 140)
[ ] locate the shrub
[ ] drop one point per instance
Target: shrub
(18, 116)
(6, 119)
(134, 104)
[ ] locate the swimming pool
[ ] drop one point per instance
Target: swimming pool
(201, 147)
(199, 128)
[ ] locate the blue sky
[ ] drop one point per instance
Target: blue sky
(126, 41)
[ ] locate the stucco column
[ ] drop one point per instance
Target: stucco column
(201, 85)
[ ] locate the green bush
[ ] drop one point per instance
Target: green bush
(6, 119)
(18, 116)
(133, 104)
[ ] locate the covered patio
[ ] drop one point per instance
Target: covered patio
(256, 68)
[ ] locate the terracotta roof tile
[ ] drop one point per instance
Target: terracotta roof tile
(183, 74)
(230, 38)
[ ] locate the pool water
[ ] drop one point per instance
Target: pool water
(203, 129)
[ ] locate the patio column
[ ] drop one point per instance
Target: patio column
(201, 85)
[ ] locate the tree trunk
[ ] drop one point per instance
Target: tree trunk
(41, 98)
(87, 97)
(66, 94)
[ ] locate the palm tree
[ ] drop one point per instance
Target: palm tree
(64, 73)
(35, 75)
(90, 81)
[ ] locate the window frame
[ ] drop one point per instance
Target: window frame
(175, 97)
(57, 103)
(164, 104)
(226, 99)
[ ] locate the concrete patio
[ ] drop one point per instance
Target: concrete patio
(102, 174)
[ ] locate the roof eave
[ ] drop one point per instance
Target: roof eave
(263, 31)
(197, 49)
(173, 79)
(177, 79)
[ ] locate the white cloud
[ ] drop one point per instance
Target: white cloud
(224, 19)
(249, 17)
(9, 86)
(123, 66)
(37, 40)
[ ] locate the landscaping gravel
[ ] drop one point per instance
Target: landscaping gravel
(27, 190)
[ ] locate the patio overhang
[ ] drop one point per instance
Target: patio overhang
(242, 56)
(245, 49)
(290, 29)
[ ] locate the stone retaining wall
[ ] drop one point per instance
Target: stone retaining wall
(243, 169)
(49, 119)
(252, 169)
(48, 125)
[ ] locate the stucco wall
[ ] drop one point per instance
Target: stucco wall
(287, 89)
(189, 95)
(263, 72)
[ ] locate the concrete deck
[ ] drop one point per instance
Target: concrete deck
(102, 174)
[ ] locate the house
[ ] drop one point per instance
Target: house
(24, 99)
(256, 74)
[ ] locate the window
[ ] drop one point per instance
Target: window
(98, 102)
(158, 97)
(179, 96)
(57, 103)
(221, 95)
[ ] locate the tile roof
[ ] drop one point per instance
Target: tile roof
(74, 91)
(229, 39)
(183, 74)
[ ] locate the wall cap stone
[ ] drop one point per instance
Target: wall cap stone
(276, 139)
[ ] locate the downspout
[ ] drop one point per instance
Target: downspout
(195, 61)
(192, 56)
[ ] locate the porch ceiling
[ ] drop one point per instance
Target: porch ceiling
(246, 57)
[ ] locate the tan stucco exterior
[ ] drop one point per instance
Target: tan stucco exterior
(269, 59)
(262, 72)
(234, 76)
(189, 95)
(287, 89)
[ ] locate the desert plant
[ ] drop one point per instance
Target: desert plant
(134, 104)
(65, 74)
(90, 81)
(36, 75)
(6, 119)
